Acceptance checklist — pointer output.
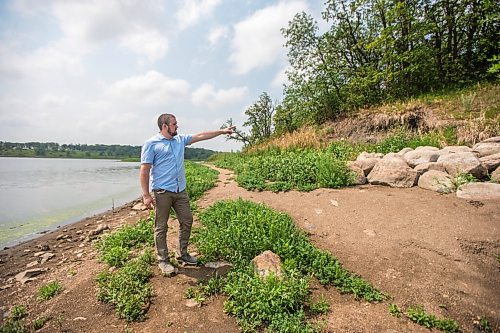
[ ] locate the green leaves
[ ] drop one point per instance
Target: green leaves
(239, 230)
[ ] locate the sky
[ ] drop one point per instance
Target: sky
(102, 71)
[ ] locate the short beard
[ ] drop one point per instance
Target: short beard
(171, 134)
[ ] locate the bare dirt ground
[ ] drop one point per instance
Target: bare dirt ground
(418, 246)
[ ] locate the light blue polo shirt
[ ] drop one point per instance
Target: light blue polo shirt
(167, 160)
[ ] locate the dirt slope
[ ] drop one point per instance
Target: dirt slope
(418, 246)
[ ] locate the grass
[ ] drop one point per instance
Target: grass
(239, 230)
(50, 290)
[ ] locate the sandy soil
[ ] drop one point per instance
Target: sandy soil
(418, 246)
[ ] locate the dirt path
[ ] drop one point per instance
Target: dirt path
(418, 246)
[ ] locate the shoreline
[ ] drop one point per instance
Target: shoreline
(78, 222)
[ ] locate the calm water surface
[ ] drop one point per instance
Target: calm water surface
(40, 194)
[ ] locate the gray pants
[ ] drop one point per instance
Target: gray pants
(180, 203)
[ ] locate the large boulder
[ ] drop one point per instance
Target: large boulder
(437, 181)
(491, 162)
(467, 162)
(455, 149)
(419, 156)
(359, 178)
(366, 161)
(487, 147)
(393, 170)
(424, 167)
(479, 191)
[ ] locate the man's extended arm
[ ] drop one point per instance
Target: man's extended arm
(144, 178)
(210, 135)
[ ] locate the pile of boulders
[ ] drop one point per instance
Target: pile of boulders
(441, 170)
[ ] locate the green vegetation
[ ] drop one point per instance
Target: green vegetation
(121, 152)
(237, 231)
(418, 315)
(50, 290)
(128, 288)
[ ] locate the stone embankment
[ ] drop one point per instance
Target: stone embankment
(444, 170)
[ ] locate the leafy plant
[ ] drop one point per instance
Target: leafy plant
(418, 315)
(50, 290)
(39, 322)
(239, 230)
(320, 307)
(127, 289)
(462, 179)
(394, 310)
(18, 312)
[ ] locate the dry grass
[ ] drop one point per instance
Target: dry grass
(306, 137)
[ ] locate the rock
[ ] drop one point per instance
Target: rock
(369, 232)
(218, 264)
(416, 157)
(191, 303)
(366, 161)
(38, 254)
(437, 181)
(455, 149)
(79, 318)
(334, 202)
(487, 147)
(359, 174)
(32, 264)
(29, 275)
(458, 163)
(100, 228)
(495, 175)
(393, 170)
(139, 206)
(479, 191)
(424, 167)
(268, 263)
(428, 148)
(404, 151)
(491, 162)
(43, 247)
(47, 256)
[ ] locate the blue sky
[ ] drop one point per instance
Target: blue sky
(101, 71)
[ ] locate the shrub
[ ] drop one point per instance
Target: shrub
(49, 291)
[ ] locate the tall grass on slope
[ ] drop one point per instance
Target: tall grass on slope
(239, 230)
(281, 170)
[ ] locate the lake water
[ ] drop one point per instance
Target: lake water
(40, 194)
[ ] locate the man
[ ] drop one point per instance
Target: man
(162, 156)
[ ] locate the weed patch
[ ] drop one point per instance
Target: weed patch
(50, 290)
(239, 230)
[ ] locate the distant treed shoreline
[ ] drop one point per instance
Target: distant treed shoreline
(98, 151)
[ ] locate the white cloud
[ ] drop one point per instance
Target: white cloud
(207, 96)
(50, 101)
(258, 41)
(151, 89)
(131, 23)
(216, 34)
(149, 43)
(281, 78)
(193, 11)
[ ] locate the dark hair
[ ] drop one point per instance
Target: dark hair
(164, 119)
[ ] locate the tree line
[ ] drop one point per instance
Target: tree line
(122, 152)
(377, 51)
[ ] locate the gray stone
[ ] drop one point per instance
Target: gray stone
(366, 161)
(359, 174)
(139, 206)
(479, 191)
(29, 275)
(393, 171)
(490, 162)
(458, 163)
(404, 151)
(487, 147)
(416, 157)
(455, 149)
(437, 181)
(424, 167)
(428, 148)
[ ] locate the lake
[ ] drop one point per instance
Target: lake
(40, 194)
